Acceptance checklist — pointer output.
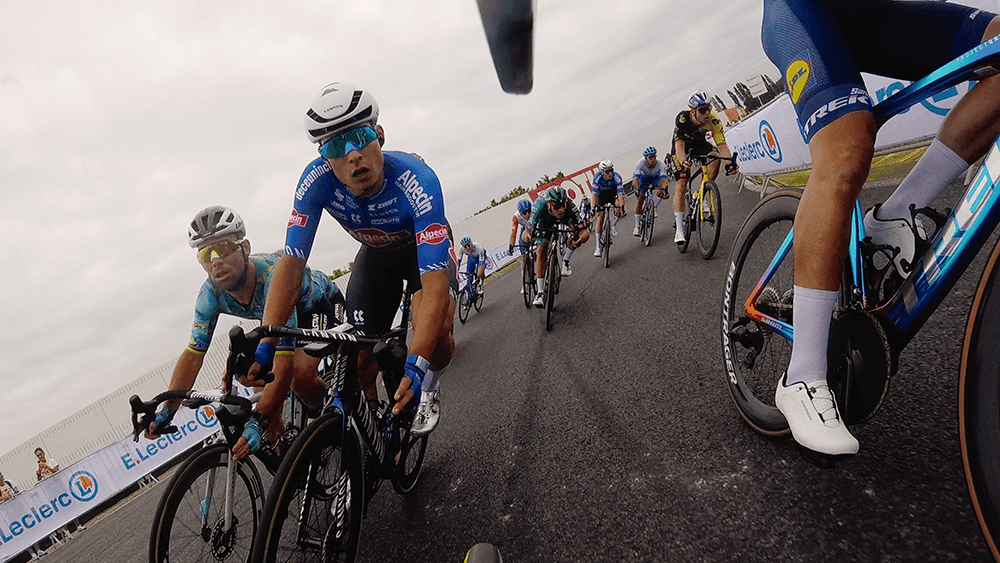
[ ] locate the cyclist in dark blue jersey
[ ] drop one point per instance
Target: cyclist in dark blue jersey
(553, 206)
(822, 46)
(237, 285)
(392, 204)
(607, 188)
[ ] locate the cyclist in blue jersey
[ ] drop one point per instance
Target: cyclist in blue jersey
(237, 285)
(584, 208)
(649, 172)
(607, 188)
(519, 224)
(822, 46)
(550, 208)
(392, 204)
(476, 264)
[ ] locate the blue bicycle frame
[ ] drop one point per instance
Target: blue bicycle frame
(953, 247)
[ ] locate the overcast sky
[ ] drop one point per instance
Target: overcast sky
(120, 120)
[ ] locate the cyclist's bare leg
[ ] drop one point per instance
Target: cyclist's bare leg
(713, 171)
(639, 200)
(680, 188)
(540, 254)
(306, 382)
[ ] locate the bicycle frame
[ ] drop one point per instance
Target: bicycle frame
(952, 248)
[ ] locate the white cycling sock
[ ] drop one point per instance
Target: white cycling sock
(679, 218)
(541, 285)
(937, 168)
(432, 379)
(811, 318)
(656, 201)
(636, 219)
(568, 255)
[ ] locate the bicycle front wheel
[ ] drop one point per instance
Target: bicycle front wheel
(463, 306)
(411, 458)
(754, 355)
(979, 403)
(551, 284)
(190, 521)
(528, 280)
(648, 218)
(606, 251)
(313, 510)
(478, 303)
(709, 219)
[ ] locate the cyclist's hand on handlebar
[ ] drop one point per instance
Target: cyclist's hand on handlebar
(409, 386)
(732, 168)
(164, 415)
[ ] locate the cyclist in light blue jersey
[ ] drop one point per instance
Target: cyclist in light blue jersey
(649, 172)
(237, 285)
(392, 204)
(823, 46)
(476, 263)
(607, 188)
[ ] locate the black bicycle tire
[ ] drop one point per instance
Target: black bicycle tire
(323, 432)
(184, 478)
(463, 306)
(650, 218)
(606, 251)
(551, 273)
(478, 303)
(712, 192)
(483, 553)
(528, 279)
(405, 480)
(979, 403)
(761, 416)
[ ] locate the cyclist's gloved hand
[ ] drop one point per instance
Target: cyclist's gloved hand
(264, 356)
(251, 433)
(162, 419)
(415, 368)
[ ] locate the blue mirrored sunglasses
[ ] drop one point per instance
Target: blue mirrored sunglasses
(353, 140)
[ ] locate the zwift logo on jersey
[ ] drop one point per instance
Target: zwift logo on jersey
(797, 77)
(433, 234)
(420, 201)
(297, 219)
(83, 486)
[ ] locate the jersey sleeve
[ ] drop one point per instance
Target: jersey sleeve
(434, 247)
(307, 209)
(715, 126)
(618, 184)
(206, 316)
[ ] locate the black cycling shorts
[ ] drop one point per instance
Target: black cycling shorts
(375, 290)
(823, 46)
(603, 197)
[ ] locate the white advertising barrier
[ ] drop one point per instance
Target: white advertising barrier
(75, 490)
(771, 140)
(496, 258)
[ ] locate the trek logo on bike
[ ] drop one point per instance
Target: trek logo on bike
(83, 486)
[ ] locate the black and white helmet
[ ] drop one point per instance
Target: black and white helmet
(214, 222)
(338, 107)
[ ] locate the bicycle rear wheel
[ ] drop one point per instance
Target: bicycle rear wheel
(754, 355)
(406, 473)
(314, 507)
(979, 403)
(189, 524)
(709, 220)
(463, 306)
(528, 280)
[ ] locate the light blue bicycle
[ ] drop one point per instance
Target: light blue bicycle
(879, 312)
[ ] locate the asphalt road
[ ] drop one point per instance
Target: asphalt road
(613, 438)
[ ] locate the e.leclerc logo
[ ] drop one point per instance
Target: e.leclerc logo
(770, 141)
(82, 487)
(204, 417)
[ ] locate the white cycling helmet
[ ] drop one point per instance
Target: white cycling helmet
(214, 222)
(338, 107)
(606, 165)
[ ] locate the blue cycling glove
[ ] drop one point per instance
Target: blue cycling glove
(264, 356)
(416, 368)
(163, 417)
(252, 432)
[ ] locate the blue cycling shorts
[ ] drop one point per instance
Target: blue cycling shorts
(823, 46)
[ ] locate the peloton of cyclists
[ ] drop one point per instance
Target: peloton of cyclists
(391, 202)
(553, 207)
(607, 189)
(649, 172)
(475, 265)
(690, 128)
(237, 285)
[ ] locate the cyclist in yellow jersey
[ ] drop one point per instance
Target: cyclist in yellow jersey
(691, 128)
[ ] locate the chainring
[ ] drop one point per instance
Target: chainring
(858, 365)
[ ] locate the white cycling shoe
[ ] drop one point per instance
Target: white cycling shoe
(597, 252)
(428, 413)
(566, 270)
(635, 231)
(897, 233)
(679, 236)
(539, 300)
(812, 415)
